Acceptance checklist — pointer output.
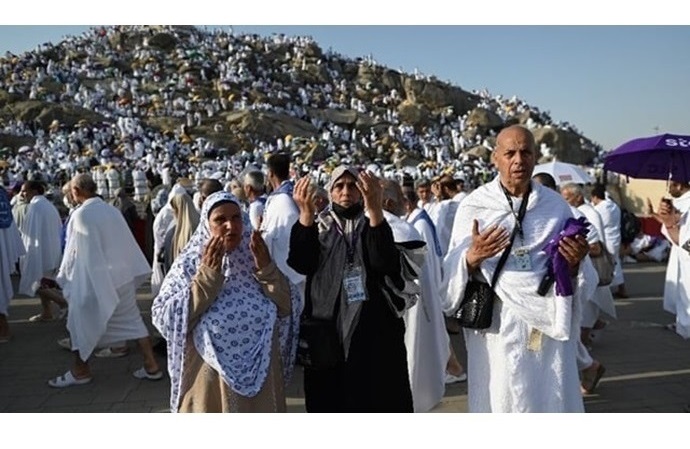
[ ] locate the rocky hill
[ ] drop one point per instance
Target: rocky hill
(234, 92)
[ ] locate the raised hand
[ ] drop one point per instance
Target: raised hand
(667, 213)
(654, 214)
(259, 250)
(370, 187)
(213, 253)
(303, 195)
(485, 244)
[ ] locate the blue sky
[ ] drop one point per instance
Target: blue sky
(614, 83)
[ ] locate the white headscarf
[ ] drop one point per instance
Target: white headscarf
(234, 336)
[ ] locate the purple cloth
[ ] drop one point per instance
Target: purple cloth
(557, 265)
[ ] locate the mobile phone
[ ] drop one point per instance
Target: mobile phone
(545, 284)
(667, 201)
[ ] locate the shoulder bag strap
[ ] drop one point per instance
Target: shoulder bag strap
(518, 225)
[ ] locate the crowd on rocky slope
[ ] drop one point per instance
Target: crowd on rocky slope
(190, 102)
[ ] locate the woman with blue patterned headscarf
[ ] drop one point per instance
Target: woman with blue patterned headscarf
(229, 316)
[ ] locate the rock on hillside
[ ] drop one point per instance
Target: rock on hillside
(268, 125)
(565, 146)
(484, 119)
(43, 113)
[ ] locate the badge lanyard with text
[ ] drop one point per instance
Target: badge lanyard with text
(353, 281)
(521, 253)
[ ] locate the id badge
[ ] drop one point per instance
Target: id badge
(353, 284)
(522, 260)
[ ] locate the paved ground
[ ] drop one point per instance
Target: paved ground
(648, 367)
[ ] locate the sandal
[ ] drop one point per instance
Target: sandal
(590, 381)
(40, 319)
(65, 343)
(141, 373)
(452, 379)
(108, 353)
(67, 380)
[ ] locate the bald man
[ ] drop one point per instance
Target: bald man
(526, 361)
(100, 272)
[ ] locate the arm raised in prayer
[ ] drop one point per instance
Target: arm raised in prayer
(379, 250)
(206, 286)
(275, 285)
(303, 256)
(208, 281)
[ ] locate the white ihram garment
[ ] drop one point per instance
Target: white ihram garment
(443, 216)
(527, 360)
(611, 218)
(11, 248)
(41, 231)
(102, 267)
(426, 339)
(683, 284)
(672, 280)
(602, 300)
(280, 213)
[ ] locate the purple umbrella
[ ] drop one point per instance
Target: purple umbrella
(666, 156)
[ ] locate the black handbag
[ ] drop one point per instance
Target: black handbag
(477, 306)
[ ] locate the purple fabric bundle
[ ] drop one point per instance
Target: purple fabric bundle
(557, 265)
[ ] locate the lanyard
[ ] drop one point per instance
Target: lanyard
(521, 212)
(350, 245)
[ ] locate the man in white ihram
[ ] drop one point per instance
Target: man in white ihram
(280, 213)
(41, 235)
(610, 214)
(526, 361)
(675, 219)
(602, 299)
(100, 272)
(676, 228)
(680, 191)
(11, 248)
(426, 339)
